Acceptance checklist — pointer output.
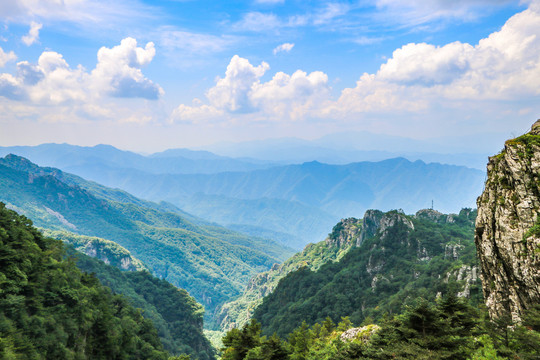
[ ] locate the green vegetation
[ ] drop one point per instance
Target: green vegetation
(449, 328)
(51, 310)
(396, 266)
(177, 317)
(237, 312)
(212, 263)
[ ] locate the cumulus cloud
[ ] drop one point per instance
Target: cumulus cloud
(241, 91)
(33, 33)
(286, 47)
(5, 57)
(503, 66)
(118, 71)
(232, 93)
(417, 78)
(52, 81)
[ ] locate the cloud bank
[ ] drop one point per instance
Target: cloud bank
(417, 78)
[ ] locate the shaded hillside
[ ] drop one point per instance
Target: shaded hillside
(344, 237)
(408, 257)
(177, 317)
(212, 263)
(51, 310)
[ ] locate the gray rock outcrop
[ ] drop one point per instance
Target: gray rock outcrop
(508, 227)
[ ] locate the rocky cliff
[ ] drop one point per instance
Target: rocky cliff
(508, 227)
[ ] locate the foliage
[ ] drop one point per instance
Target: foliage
(450, 328)
(237, 312)
(177, 317)
(51, 310)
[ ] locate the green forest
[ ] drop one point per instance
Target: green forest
(448, 328)
(49, 309)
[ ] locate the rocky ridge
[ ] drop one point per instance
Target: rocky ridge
(508, 227)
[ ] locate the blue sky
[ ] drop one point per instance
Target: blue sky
(151, 75)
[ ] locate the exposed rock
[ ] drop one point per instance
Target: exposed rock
(370, 225)
(467, 274)
(345, 232)
(432, 215)
(508, 227)
(391, 218)
(451, 251)
(363, 334)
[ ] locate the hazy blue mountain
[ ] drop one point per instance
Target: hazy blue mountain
(301, 200)
(349, 147)
(304, 199)
(212, 263)
(82, 160)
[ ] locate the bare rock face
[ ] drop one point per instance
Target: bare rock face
(508, 227)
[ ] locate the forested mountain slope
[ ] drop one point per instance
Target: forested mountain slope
(212, 263)
(406, 257)
(344, 236)
(177, 317)
(51, 310)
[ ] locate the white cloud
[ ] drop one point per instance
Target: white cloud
(118, 71)
(504, 66)
(53, 82)
(242, 92)
(330, 12)
(414, 12)
(286, 47)
(33, 33)
(193, 43)
(418, 78)
(257, 21)
(232, 93)
(5, 57)
(83, 13)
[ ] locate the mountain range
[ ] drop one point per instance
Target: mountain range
(295, 203)
(211, 262)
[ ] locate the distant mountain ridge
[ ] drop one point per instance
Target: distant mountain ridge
(298, 203)
(79, 159)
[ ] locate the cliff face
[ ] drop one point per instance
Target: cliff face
(508, 227)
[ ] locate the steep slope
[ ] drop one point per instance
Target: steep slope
(177, 317)
(345, 235)
(212, 263)
(508, 227)
(50, 310)
(400, 258)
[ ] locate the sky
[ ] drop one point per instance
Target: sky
(151, 75)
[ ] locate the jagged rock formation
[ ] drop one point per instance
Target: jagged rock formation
(508, 227)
